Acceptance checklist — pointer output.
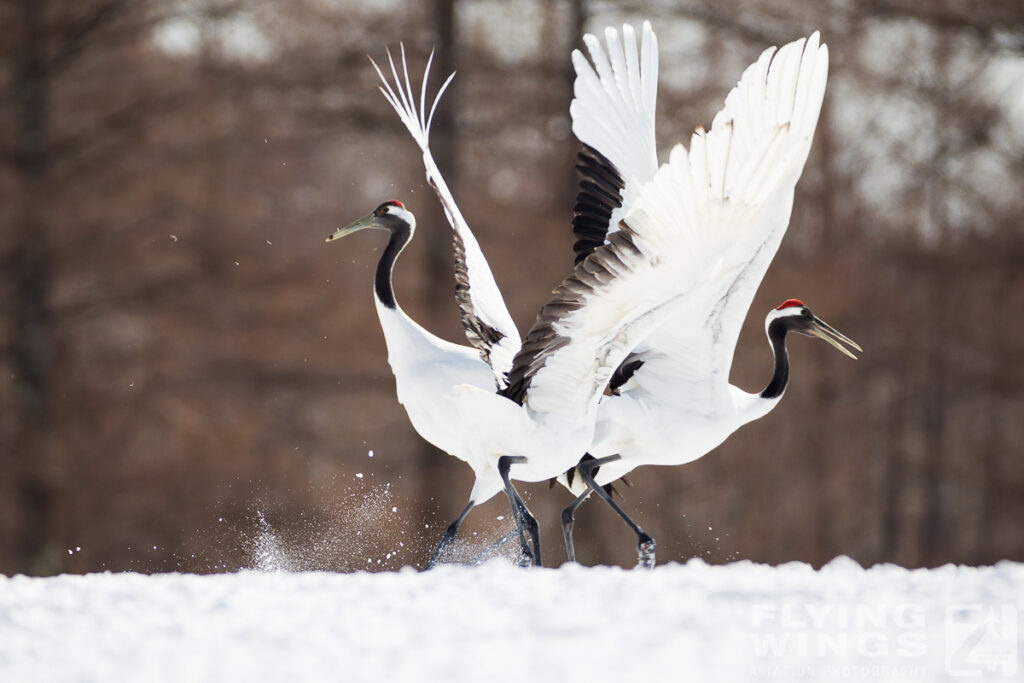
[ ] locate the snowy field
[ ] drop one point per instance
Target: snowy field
(692, 622)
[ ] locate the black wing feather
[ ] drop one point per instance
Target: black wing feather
(599, 194)
(623, 373)
(543, 339)
(481, 335)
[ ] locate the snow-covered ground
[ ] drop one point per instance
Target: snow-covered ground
(692, 622)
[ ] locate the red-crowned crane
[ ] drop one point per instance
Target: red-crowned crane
(671, 401)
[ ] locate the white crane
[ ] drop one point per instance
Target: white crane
(429, 370)
(671, 401)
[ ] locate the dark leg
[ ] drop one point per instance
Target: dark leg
(528, 527)
(525, 554)
(568, 517)
(449, 535)
(524, 518)
(645, 544)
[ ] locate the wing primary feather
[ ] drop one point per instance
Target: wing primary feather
(423, 95)
(437, 98)
(599, 194)
(649, 60)
(408, 86)
(725, 164)
(615, 94)
(486, 321)
(398, 81)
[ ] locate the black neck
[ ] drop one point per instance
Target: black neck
(777, 336)
(400, 237)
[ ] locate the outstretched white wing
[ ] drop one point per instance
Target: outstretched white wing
(613, 116)
(485, 317)
(746, 169)
(707, 219)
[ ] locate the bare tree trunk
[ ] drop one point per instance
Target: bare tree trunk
(211, 248)
(893, 474)
(992, 444)
(444, 147)
(32, 323)
(820, 464)
(934, 404)
(577, 27)
(936, 397)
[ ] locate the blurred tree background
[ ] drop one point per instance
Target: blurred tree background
(190, 379)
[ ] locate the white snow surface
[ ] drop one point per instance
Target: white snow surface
(496, 622)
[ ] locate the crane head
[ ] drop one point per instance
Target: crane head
(391, 216)
(796, 317)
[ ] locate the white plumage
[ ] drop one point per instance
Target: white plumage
(685, 241)
(613, 107)
(432, 374)
(732, 192)
(716, 214)
(450, 400)
(483, 303)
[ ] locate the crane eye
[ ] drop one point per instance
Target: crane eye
(806, 313)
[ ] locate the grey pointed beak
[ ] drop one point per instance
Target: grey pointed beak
(368, 221)
(822, 330)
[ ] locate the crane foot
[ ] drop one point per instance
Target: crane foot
(645, 552)
(525, 558)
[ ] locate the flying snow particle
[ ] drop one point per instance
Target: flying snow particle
(174, 238)
(359, 475)
(370, 454)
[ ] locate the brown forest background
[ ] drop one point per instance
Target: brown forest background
(190, 379)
